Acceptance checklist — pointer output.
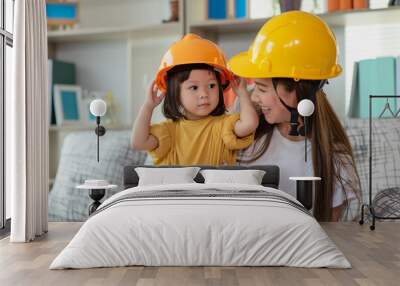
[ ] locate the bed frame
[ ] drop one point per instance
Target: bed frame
(270, 179)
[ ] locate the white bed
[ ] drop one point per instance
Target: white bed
(182, 230)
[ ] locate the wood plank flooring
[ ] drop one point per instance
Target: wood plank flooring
(375, 257)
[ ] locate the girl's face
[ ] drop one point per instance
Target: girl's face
(266, 98)
(199, 94)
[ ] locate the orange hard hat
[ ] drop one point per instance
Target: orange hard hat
(193, 49)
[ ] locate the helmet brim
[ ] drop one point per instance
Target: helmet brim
(241, 66)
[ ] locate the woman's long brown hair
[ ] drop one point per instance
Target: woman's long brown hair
(331, 149)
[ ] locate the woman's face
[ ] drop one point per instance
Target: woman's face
(199, 94)
(265, 97)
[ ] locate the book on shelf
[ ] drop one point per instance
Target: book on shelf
(217, 9)
(223, 9)
(375, 77)
(60, 72)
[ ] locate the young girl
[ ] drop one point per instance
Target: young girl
(192, 77)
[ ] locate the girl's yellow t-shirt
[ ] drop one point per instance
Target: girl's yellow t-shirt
(208, 141)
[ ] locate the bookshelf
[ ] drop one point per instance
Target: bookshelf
(145, 41)
(360, 34)
(335, 19)
(112, 33)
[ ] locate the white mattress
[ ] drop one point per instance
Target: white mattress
(200, 231)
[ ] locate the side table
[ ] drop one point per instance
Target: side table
(97, 190)
(305, 187)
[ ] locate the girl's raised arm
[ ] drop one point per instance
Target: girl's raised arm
(248, 115)
(141, 138)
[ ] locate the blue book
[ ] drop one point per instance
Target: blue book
(217, 9)
(376, 77)
(67, 11)
(240, 8)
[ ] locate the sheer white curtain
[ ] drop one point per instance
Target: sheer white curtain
(27, 123)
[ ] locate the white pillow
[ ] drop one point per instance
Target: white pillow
(248, 177)
(163, 176)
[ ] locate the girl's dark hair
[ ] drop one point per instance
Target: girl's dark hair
(172, 107)
(331, 149)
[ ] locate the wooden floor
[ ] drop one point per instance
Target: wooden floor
(375, 257)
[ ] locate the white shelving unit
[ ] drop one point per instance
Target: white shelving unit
(336, 19)
(140, 46)
(235, 35)
(116, 47)
(112, 33)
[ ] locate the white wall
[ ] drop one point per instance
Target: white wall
(335, 90)
(101, 66)
(145, 59)
(114, 13)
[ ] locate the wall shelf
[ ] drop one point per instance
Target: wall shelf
(336, 19)
(66, 128)
(112, 33)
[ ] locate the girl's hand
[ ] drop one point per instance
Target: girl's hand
(239, 86)
(152, 100)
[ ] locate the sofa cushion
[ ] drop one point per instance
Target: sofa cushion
(78, 162)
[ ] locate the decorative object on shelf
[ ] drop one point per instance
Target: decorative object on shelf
(112, 109)
(88, 117)
(333, 5)
(97, 190)
(378, 4)
(68, 104)
(98, 108)
(262, 8)
(62, 14)
(60, 72)
(386, 204)
(373, 76)
(394, 2)
(345, 5)
(360, 4)
(289, 5)
(239, 9)
(174, 10)
(305, 190)
(217, 9)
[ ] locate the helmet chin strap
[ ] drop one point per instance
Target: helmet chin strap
(294, 114)
(294, 119)
(304, 108)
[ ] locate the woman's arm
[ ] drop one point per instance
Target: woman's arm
(248, 121)
(141, 138)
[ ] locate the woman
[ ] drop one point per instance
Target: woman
(290, 60)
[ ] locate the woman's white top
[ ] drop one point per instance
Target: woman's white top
(290, 158)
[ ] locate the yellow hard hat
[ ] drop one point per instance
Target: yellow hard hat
(192, 49)
(295, 44)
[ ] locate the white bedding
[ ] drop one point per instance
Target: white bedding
(200, 231)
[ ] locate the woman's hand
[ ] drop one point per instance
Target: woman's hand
(152, 99)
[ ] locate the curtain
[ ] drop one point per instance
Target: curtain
(27, 123)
